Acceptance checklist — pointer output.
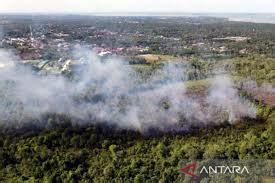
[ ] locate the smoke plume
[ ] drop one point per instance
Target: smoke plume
(113, 92)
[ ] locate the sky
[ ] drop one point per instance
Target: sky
(112, 6)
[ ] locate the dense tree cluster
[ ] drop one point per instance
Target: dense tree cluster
(102, 153)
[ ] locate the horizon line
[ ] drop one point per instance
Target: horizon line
(135, 13)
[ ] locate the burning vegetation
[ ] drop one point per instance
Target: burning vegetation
(126, 99)
(111, 91)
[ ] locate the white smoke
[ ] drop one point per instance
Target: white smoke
(224, 97)
(113, 92)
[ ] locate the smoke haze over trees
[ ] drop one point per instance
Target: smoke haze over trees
(110, 91)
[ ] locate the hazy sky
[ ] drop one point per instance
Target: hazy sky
(90, 6)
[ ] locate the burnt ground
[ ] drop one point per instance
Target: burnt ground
(261, 95)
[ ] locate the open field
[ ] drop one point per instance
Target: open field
(154, 58)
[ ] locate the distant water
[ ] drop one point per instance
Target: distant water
(256, 18)
(244, 17)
